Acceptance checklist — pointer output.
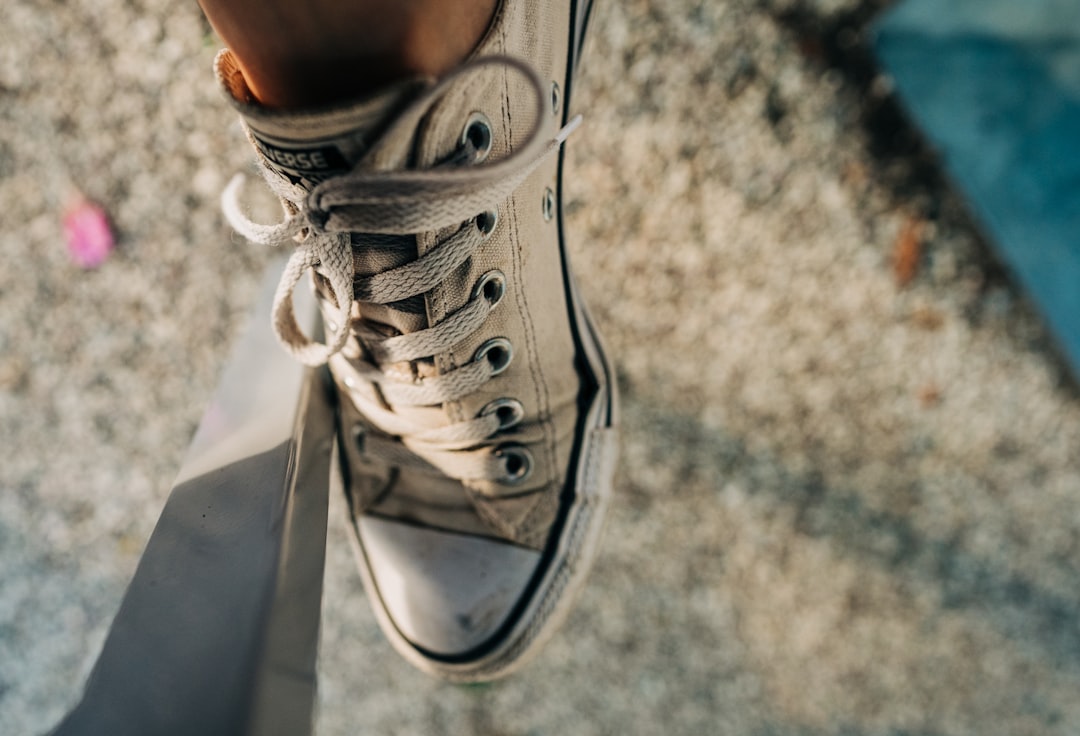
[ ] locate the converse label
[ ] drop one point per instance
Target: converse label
(305, 165)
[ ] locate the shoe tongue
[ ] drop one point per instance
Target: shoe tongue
(308, 147)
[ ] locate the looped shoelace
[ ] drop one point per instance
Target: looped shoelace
(321, 225)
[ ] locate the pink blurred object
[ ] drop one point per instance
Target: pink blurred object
(89, 237)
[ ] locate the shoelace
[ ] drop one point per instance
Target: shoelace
(321, 225)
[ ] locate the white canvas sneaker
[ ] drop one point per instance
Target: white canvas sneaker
(477, 409)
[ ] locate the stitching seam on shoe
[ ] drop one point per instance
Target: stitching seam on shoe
(521, 297)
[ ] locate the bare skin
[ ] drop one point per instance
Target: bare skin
(305, 54)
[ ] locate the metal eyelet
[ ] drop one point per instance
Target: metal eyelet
(509, 411)
(477, 132)
(486, 222)
(491, 286)
(517, 462)
(556, 98)
(549, 204)
(498, 352)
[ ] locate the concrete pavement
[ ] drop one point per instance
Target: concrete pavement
(847, 506)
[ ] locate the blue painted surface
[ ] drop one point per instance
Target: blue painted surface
(995, 85)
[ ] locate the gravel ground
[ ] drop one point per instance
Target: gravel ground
(848, 497)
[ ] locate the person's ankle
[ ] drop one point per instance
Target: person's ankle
(341, 51)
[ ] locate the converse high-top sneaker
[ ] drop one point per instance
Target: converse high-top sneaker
(477, 409)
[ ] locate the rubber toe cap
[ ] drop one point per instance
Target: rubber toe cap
(445, 592)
